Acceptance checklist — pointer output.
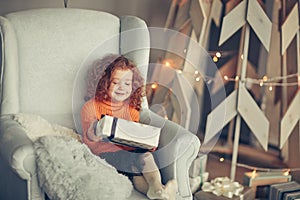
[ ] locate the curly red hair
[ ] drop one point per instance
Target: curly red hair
(106, 67)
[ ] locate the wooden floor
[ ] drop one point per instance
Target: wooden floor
(247, 156)
(219, 162)
(216, 168)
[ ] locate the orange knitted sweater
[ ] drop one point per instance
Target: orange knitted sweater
(93, 110)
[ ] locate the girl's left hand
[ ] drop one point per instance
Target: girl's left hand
(91, 132)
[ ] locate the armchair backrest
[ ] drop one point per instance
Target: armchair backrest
(45, 53)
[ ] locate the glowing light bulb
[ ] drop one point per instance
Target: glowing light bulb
(226, 77)
(261, 83)
(221, 159)
(237, 78)
(265, 78)
(215, 59)
(154, 86)
(242, 56)
(179, 71)
(196, 72)
(286, 173)
(167, 63)
(270, 88)
(198, 79)
(253, 175)
(218, 54)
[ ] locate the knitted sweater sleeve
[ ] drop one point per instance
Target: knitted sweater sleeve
(88, 115)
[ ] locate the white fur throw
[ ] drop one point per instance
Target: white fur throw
(36, 126)
(67, 170)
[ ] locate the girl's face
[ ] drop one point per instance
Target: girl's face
(120, 85)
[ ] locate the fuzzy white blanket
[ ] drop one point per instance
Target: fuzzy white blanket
(67, 170)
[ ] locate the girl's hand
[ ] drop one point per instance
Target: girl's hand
(91, 132)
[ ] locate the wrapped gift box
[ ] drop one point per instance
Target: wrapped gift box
(128, 132)
(248, 194)
(283, 191)
(224, 188)
(196, 182)
(265, 178)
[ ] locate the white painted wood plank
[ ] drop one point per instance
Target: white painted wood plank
(252, 73)
(229, 5)
(204, 35)
(253, 116)
(235, 147)
(217, 12)
(228, 69)
(189, 98)
(260, 23)
(233, 21)
(171, 14)
(184, 110)
(205, 7)
(289, 28)
(197, 17)
(220, 116)
(298, 53)
(290, 119)
(182, 16)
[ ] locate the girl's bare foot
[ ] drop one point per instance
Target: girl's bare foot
(157, 194)
(171, 189)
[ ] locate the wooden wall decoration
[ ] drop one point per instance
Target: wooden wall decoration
(209, 11)
(229, 69)
(246, 14)
(191, 18)
(290, 30)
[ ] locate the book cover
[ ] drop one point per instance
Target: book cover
(277, 191)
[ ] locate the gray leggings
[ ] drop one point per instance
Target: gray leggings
(129, 163)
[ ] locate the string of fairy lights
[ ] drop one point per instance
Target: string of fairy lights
(284, 171)
(265, 81)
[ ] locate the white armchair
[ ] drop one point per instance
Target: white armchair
(42, 51)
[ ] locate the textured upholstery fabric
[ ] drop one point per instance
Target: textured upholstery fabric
(180, 142)
(9, 101)
(56, 52)
(135, 44)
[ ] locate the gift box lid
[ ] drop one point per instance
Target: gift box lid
(139, 130)
(128, 133)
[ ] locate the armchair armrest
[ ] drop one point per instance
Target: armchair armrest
(15, 146)
(17, 152)
(177, 149)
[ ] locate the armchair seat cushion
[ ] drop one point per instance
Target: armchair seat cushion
(68, 170)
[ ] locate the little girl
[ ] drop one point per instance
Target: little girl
(119, 93)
